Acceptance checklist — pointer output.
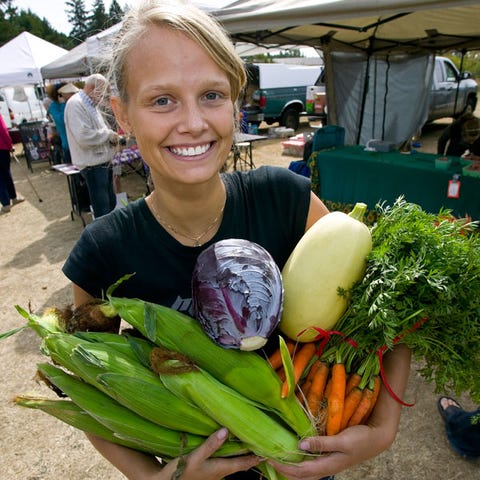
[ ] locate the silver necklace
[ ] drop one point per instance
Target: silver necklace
(195, 239)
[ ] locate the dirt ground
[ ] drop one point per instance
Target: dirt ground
(36, 239)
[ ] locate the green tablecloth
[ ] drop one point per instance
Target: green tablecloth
(350, 174)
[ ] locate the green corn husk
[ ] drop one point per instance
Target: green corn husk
(141, 390)
(246, 372)
(260, 432)
(42, 325)
(71, 414)
(127, 425)
(119, 342)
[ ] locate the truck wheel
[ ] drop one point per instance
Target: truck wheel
(290, 119)
(471, 105)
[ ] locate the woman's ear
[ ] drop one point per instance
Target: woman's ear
(120, 111)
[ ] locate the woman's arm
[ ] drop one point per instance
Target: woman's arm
(316, 210)
(357, 444)
(443, 140)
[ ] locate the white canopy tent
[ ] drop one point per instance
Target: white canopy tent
(74, 64)
(22, 58)
(378, 53)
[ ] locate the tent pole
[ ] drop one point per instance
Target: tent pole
(364, 97)
(332, 110)
(458, 83)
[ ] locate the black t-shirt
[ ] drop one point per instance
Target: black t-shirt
(268, 206)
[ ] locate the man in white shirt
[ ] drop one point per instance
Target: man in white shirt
(91, 143)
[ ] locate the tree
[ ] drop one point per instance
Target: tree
(7, 29)
(115, 13)
(12, 23)
(78, 18)
(98, 19)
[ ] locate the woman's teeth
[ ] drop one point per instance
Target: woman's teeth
(190, 151)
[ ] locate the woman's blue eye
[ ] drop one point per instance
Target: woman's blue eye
(161, 101)
(212, 95)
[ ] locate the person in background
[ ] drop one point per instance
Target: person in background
(58, 93)
(92, 143)
(8, 194)
(462, 427)
(178, 80)
(67, 91)
(461, 138)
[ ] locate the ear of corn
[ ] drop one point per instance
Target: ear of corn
(260, 432)
(41, 324)
(118, 342)
(246, 372)
(117, 368)
(71, 414)
(152, 403)
(124, 423)
(140, 389)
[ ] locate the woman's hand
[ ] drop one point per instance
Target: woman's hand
(352, 446)
(199, 465)
(356, 444)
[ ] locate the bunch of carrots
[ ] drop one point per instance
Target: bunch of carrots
(337, 396)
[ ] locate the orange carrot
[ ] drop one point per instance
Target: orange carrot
(362, 408)
(377, 384)
(336, 399)
(313, 371)
(353, 381)
(351, 404)
(300, 361)
(316, 392)
(328, 388)
(275, 358)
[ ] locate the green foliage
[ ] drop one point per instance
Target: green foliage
(78, 18)
(14, 21)
(422, 288)
(115, 13)
(269, 58)
(471, 62)
(98, 19)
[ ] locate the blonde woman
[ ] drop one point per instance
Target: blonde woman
(178, 80)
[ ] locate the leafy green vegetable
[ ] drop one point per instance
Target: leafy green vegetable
(421, 287)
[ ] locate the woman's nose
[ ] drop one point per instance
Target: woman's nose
(192, 118)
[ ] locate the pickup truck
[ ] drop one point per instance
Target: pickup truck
(452, 92)
(277, 92)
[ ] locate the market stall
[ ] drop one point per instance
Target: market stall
(350, 174)
(36, 142)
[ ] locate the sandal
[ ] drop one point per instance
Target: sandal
(446, 412)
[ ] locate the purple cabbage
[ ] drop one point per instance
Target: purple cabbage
(237, 294)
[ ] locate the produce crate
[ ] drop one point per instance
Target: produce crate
(442, 163)
(472, 170)
(294, 146)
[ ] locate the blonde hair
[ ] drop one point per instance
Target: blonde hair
(178, 16)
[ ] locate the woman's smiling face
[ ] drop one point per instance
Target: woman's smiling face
(179, 107)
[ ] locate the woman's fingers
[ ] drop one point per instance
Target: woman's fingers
(199, 464)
